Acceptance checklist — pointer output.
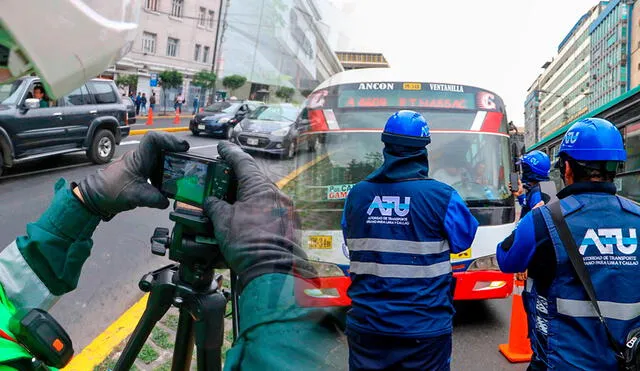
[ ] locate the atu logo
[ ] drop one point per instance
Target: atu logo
(571, 137)
(389, 205)
(606, 238)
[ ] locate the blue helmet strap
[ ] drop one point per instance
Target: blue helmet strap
(605, 168)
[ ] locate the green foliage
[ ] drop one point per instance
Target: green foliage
(164, 367)
(285, 93)
(204, 79)
(161, 338)
(148, 354)
(305, 92)
(170, 79)
(107, 364)
(127, 80)
(233, 82)
(171, 321)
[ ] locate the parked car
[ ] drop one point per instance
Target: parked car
(131, 109)
(221, 117)
(269, 129)
(91, 118)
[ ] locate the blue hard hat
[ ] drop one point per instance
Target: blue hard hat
(593, 139)
(407, 128)
(538, 161)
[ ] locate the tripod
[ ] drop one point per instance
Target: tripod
(190, 286)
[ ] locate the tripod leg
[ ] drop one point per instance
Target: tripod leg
(234, 305)
(160, 300)
(209, 330)
(184, 342)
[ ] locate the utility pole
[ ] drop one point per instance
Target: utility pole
(215, 48)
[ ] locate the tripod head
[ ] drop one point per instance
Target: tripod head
(191, 244)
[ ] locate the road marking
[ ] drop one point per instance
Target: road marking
(125, 143)
(169, 130)
(36, 172)
(103, 345)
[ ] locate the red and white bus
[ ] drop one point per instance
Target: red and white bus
(470, 150)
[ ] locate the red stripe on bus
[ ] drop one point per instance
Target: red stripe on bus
(373, 130)
(492, 122)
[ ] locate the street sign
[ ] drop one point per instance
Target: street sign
(154, 80)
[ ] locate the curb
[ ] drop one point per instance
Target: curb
(169, 130)
(103, 345)
(165, 116)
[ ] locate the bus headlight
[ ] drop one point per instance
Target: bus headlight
(486, 263)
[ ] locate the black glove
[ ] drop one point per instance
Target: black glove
(123, 185)
(257, 233)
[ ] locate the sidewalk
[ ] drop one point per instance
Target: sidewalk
(169, 115)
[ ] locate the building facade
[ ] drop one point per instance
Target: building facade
(356, 60)
(173, 34)
(610, 57)
(564, 84)
(634, 46)
(277, 43)
(532, 114)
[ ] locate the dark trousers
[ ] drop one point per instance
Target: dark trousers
(389, 353)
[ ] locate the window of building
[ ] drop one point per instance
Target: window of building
(177, 8)
(210, 20)
(172, 47)
(632, 144)
(201, 16)
(205, 55)
(196, 52)
(151, 5)
(149, 42)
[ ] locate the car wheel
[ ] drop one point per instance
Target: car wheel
(228, 133)
(195, 133)
(291, 151)
(103, 147)
(314, 145)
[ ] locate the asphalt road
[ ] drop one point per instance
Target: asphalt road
(121, 255)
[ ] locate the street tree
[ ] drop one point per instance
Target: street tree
(129, 81)
(169, 79)
(205, 80)
(285, 93)
(233, 82)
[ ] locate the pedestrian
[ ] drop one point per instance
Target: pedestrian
(138, 101)
(535, 169)
(143, 103)
(152, 101)
(196, 103)
(567, 334)
(400, 227)
(178, 103)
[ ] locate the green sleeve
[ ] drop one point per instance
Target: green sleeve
(57, 245)
(277, 334)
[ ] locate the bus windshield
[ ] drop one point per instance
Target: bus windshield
(476, 163)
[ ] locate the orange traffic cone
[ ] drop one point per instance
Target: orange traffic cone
(150, 117)
(176, 120)
(519, 347)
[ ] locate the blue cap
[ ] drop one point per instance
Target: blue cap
(593, 139)
(538, 162)
(407, 128)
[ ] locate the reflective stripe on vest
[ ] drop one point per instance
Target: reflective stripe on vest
(609, 309)
(397, 246)
(401, 270)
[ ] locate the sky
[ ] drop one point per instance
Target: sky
(498, 45)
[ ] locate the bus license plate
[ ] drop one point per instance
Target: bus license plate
(320, 242)
(466, 254)
(252, 141)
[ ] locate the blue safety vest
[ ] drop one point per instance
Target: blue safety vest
(567, 334)
(399, 236)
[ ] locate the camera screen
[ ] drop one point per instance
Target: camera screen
(185, 179)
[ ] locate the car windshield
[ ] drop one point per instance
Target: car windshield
(9, 93)
(225, 107)
(275, 113)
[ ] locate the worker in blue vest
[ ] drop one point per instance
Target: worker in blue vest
(535, 169)
(567, 334)
(400, 227)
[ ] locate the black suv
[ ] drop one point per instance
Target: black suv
(91, 118)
